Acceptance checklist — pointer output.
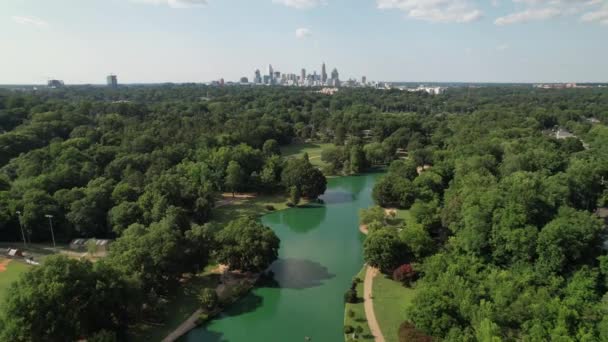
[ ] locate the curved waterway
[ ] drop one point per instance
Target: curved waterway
(321, 251)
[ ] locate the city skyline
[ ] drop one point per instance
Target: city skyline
(155, 41)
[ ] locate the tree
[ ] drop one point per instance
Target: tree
(373, 214)
(571, 238)
(357, 159)
(208, 299)
(377, 153)
(234, 177)
(302, 174)
(294, 195)
(271, 147)
(64, 300)
(384, 250)
(246, 245)
(350, 296)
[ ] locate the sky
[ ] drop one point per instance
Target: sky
(149, 41)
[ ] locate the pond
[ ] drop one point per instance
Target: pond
(321, 251)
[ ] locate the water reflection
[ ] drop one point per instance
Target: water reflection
(296, 274)
(337, 197)
(299, 220)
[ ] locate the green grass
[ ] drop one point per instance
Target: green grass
(313, 149)
(359, 318)
(402, 217)
(390, 301)
(180, 306)
(251, 206)
(13, 270)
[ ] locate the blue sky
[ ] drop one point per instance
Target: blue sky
(81, 41)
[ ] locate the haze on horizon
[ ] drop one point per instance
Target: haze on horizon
(148, 41)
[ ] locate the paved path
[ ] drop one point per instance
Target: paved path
(368, 303)
(188, 325)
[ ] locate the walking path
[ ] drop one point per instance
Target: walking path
(188, 325)
(368, 303)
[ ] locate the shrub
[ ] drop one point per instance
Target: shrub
(404, 274)
(270, 207)
(208, 299)
(350, 296)
(350, 313)
(348, 329)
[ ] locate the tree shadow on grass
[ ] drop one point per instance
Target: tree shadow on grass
(295, 274)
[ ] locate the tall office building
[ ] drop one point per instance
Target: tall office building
(257, 78)
(335, 78)
(270, 74)
(363, 80)
(303, 76)
(323, 73)
(112, 81)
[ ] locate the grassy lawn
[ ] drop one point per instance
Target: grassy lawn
(180, 306)
(249, 206)
(13, 270)
(359, 318)
(313, 149)
(402, 216)
(390, 300)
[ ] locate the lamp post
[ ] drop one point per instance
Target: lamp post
(50, 217)
(21, 225)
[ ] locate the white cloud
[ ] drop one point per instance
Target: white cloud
(303, 32)
(300, 4)
(502, 47)
(536, 10)
(442, 11)
(176, 3)
(29, 20)
(528, 15)
(600, 15)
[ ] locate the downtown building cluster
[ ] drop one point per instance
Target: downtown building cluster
(303, 79)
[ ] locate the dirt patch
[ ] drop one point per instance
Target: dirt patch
(390, 211)
(4, 264)
(363, 229)
(239, 195)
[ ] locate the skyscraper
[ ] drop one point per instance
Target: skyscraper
(112, 81)
(270, 73)
(335, 78)
(303, 76)
(363, 80)
(257, 78)
(323, 74)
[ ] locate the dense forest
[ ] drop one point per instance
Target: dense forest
(506, 244)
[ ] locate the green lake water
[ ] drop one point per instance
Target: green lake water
(321, 251)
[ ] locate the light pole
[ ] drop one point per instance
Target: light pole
(21, 225)
(50, 217)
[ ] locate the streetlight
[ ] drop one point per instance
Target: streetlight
(21, 225)
(50, 217)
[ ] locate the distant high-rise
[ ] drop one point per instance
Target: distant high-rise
(303, 76)
(363, 80)
(257, 78)
(323, 73)
(270, 73)
(112, 81)
(335, 78)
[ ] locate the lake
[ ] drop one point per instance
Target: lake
(321, 251)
